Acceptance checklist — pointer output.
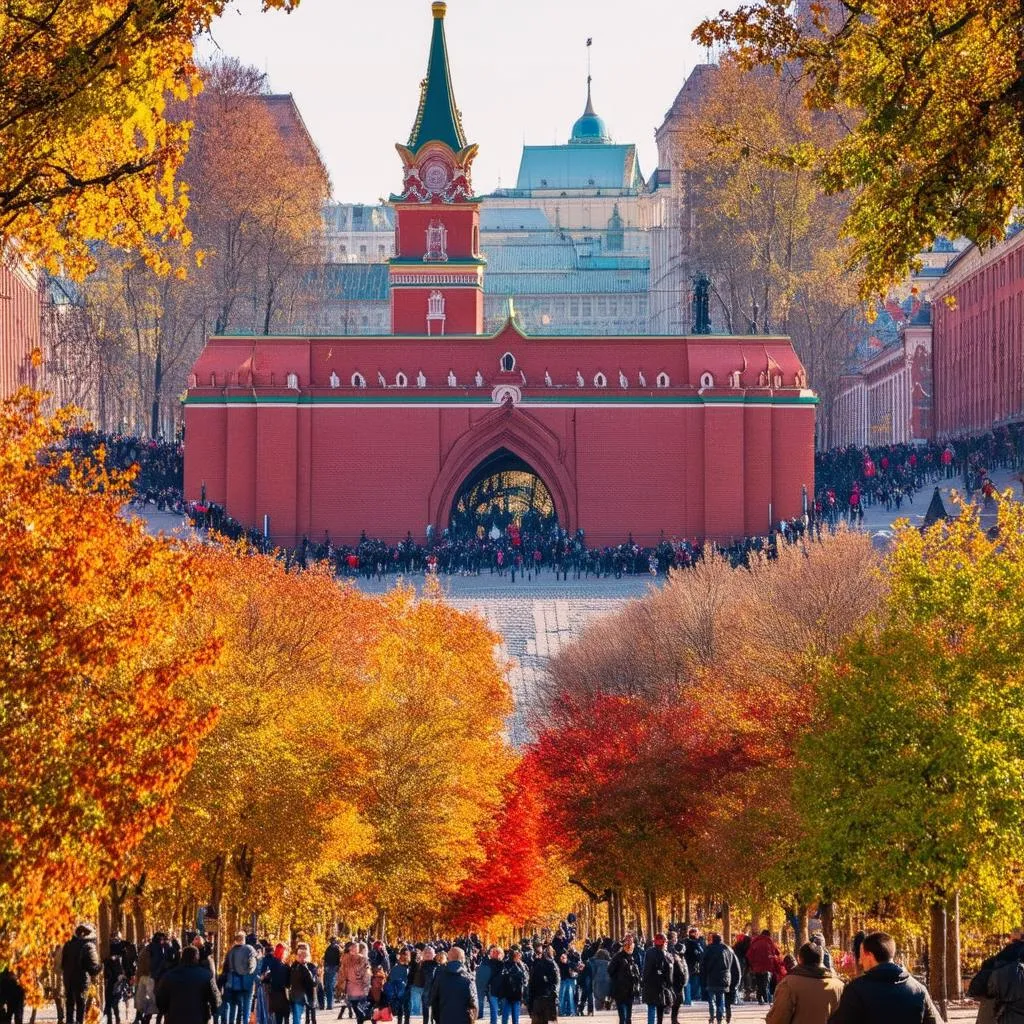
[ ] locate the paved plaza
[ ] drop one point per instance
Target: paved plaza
(748, 1013)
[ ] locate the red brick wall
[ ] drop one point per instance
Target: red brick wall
(681, 461)
(20, 329)
(460, 219)
(464, 311)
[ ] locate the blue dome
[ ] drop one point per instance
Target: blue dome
(589, 127)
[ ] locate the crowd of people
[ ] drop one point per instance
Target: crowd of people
(159, 465)
(847, 481)
(460, 981)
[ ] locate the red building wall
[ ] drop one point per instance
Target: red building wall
(685, 459)
(20, 326)
(978, 340)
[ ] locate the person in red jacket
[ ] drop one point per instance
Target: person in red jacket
(761, 955)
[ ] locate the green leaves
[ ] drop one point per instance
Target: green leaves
(933, 92)
(923, 723)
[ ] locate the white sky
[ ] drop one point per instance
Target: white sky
(518, 69)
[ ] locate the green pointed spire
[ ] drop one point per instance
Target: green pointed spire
(437, 119)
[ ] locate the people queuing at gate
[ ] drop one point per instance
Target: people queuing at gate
(457, 981)
(847, 481)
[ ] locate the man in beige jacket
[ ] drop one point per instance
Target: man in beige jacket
(808, 994)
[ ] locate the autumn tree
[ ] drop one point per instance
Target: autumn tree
(932, 92)
(89, 151)
(758, 221)
(676, 722)
(435, 759)
(93, 742)
(263, 803)
(255, 200)
(910, 783)
(522, 879)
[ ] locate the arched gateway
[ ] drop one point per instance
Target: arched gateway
(704, 436)
(502, 490)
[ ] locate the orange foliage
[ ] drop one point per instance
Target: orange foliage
(92, 744)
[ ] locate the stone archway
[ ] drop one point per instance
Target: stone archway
(501, 490)
(522, 435)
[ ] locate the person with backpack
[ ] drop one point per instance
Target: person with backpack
(658, 992)
(512, 985)
(624, 974)
(240, 979)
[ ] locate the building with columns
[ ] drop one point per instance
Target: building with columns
(657, 435)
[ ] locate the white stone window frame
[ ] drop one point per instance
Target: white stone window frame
(600, 380)
(663, 380)
(358, 380)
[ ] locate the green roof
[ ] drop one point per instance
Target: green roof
(437, 119)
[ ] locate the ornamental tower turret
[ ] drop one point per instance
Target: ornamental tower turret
(437, 273)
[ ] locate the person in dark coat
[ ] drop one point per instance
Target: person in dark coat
(624, 975)
(978, 988)
(424, 977)
(885, 991)
(658, 991)
(680, 975)
(453, 996)
(12, 998)
(600, 983)
(720, 974)
(544, 981)
(512, 986)
(693, 950)
(79, 964)
(332, 962)
(301, 984)
(1005, 989)
(275, 975)
(114, 982)
(187, 994)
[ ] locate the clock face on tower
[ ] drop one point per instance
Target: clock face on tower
(436, 176)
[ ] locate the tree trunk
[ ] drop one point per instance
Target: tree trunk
(687, 908)
(802, 924)
(954, 975)
(937, 956)
(158, 381)
(726, 924)
(650, 912)
(828, 922)
(104, 927)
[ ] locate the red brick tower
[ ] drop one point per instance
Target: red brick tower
(437, 274)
